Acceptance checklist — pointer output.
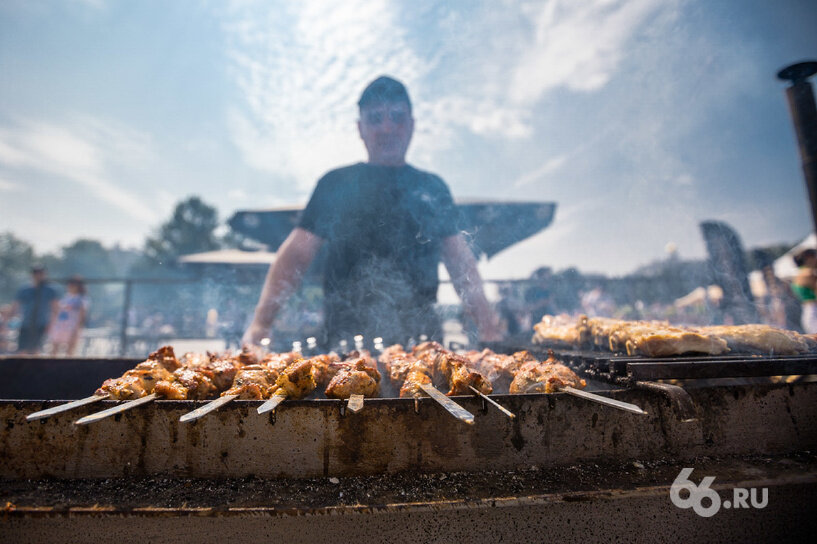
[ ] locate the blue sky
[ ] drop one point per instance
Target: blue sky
(640, 118)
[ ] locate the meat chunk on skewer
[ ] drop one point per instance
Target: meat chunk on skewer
(188, 384)
(358, 377)
(399, 367)
(456, 372)
(462, 379)
(141, 380)
(415, 377)
(296, 381)
(430, 362)
(548, 376)
(322, 369)
(253, 382)
(390, 353)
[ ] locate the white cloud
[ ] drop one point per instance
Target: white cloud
(550, 166)
(9, 186)
(82, 152)
(298, 71)
(300, 68)
(96, 4)
(578, 44)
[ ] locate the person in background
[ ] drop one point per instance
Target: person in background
(538, 298)
(5, 318)
(780, 307)
(386, 226)
(66, 327)
(804, 287)
(38, 305)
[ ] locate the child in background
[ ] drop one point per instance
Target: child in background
(66, 327)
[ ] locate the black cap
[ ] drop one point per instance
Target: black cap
(384, 89)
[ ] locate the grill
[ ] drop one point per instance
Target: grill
(561, 456)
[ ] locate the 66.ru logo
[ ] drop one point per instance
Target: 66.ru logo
(697, 495)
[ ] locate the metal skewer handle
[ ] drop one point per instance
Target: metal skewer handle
(355, 403)
(453, 408)
(271, 404)
(493, 402)
(206, 409)
(42, 414)
(626, 406)
(115, 410)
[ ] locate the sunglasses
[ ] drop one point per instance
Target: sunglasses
(377, 117)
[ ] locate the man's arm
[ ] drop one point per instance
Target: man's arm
(284, 276)
(462, 267)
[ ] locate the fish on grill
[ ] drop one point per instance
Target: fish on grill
(661, 339)
(760, 338)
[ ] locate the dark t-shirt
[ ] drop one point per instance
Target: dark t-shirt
(383, 228)
(35, 305)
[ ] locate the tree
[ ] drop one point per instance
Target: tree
(87, 258)
(16, 257)
(191, 229)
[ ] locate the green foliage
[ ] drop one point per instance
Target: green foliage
(191, 229)
(16, 257)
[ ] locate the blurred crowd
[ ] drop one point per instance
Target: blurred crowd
(45, 318)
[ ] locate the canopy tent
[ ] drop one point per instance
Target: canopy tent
(784, 267)
(490, 226)
(229, 257)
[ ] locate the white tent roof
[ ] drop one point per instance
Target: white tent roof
(229, 256)
(784, 267)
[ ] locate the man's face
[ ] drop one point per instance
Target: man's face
(386, 130)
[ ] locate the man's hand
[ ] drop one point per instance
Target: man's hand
(284, 275)
(255, 334)
(490, 331)
(462, 267)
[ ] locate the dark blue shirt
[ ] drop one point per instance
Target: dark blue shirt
(383, 228)
(35, 304)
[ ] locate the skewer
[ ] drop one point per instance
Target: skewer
(626, 406)
(452, 407)
(206, 409)
(42, 414)
(116, 409)
(271, 404)
(492, 401)
(355, 403)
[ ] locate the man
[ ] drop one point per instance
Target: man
(38, 305)
(386, 225)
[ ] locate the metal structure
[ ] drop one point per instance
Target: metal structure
(491, 226)
(800, 96)
(559, 457)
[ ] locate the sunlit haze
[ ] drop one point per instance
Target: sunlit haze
(639, 118)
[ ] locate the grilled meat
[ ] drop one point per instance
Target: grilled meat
(188, 384)
(357, 377)
(322, 369)
(544, 377)
(253, 382)
(141, 380)
(415, 376)
(296, 381)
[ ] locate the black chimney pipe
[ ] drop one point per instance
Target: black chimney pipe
(804, 114)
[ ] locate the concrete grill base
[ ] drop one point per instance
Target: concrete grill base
(621, 503)
(314, 438)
